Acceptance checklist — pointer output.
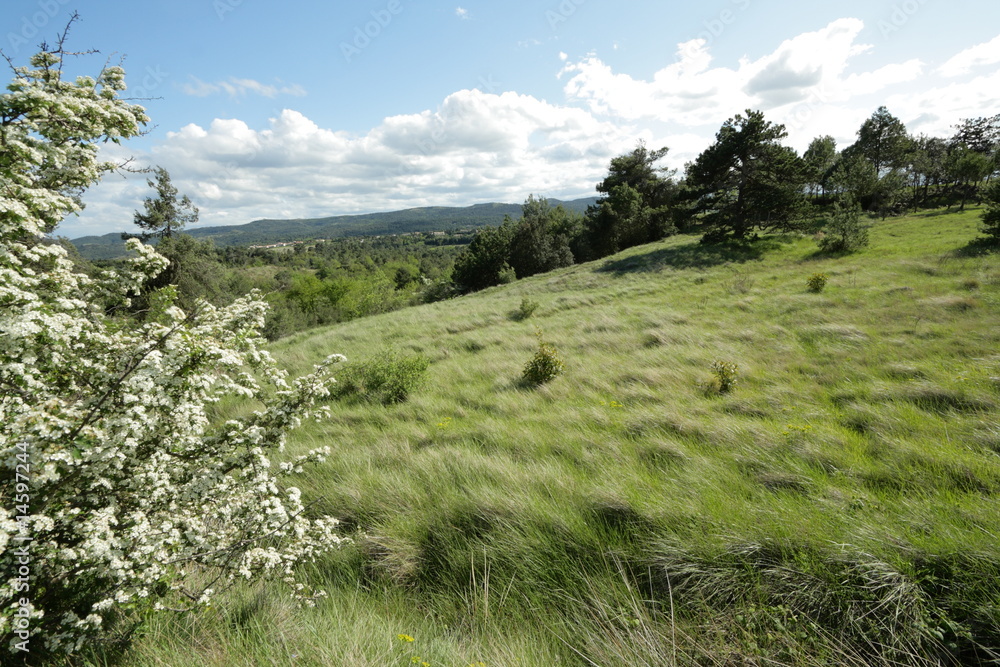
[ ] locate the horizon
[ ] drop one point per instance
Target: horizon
(335, 215)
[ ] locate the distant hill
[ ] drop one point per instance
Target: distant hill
(259, 232)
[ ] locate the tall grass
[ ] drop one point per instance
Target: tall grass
(837, 505)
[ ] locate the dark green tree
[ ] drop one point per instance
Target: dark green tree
(636, 206)
(164, 214)
(856, 177)
(405, 275)
(882, 140)
(537, 243)
(618, 221)
(979, 134)
(925, 166)
(966, 168)
(884, 144)
(819, 158)
(485, 262)
(991, 216)
(747, 180)
(194, 269)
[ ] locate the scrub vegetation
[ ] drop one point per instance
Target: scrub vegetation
(836, 505)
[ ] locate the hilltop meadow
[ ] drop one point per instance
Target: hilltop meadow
(836, 504)
(742, 415)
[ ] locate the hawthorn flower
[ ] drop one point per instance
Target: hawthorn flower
(133, 489)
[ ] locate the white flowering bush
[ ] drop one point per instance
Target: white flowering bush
(119, 495)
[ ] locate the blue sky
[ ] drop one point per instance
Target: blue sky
(303, 109)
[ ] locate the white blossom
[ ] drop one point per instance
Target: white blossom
(133, 489)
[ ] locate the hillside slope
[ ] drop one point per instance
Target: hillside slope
(839, 505)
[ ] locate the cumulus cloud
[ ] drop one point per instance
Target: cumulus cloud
(935, 110)
(691, 92)
(462, 13)
(474, 147)
(236, 88)
(805, 82)
(987, 53)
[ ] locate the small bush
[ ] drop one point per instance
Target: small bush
(725, 376)
(816, 282)
(845, 232)
(740, 282)
(525, 310)
(438, 290)
(544, 366)
(387, 378)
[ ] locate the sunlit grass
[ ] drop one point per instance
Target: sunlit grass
(519, 525)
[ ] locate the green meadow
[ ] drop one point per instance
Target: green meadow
(837, 505)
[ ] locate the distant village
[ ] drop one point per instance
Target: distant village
(285, 244)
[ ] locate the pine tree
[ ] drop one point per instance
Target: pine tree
(165, 213)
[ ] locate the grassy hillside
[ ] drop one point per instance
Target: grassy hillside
(838, 505)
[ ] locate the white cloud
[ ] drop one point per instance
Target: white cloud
(987, 53)
(474, 147)
(235, 88)
(935, 110)
(814, 83)
(692, 93)
(462, 13)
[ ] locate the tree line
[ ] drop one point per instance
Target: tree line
(747, 182)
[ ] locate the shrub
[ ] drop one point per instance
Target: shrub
(525, 310)
(386, 378)
(725, 375)
(129, 499)
(438, 290)
(845, 231)
(741, 282)
(816, 282)
(484, 262)
(506, 275)
(544, 366)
